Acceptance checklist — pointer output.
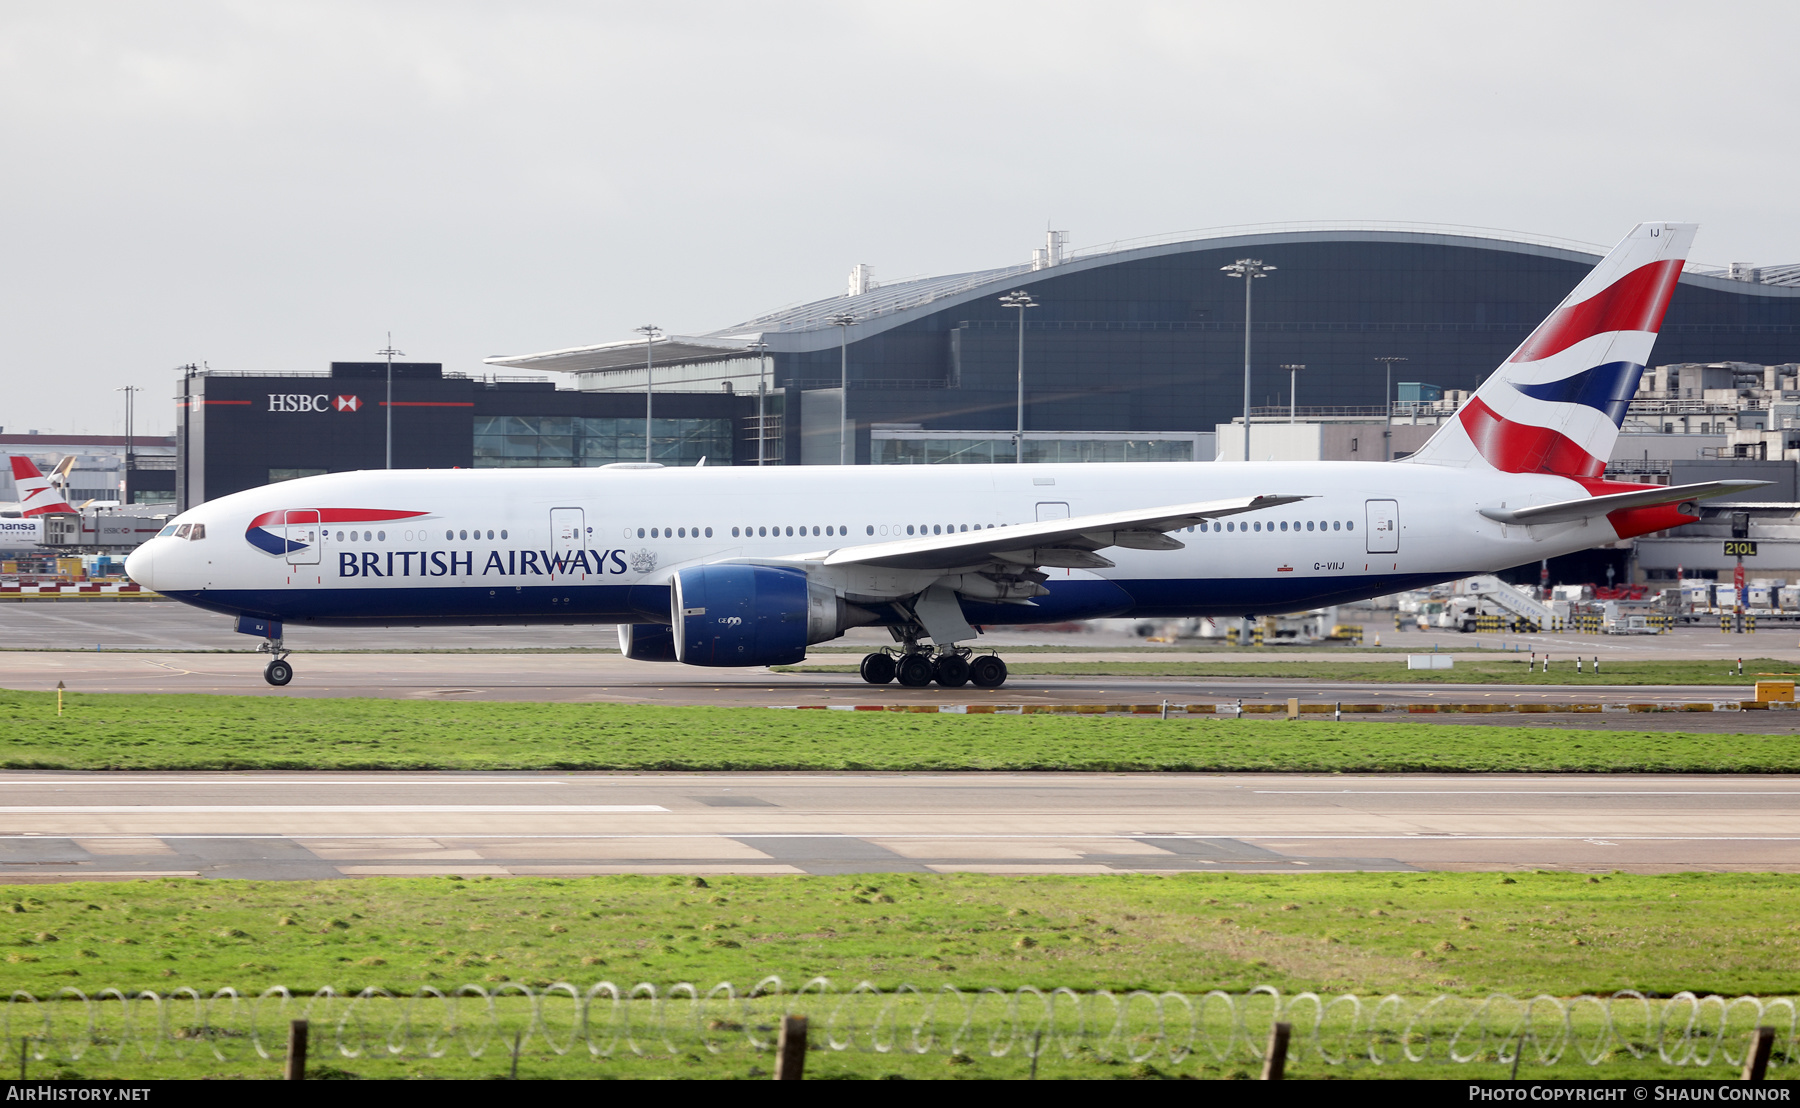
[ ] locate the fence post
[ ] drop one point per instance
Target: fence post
(1756, 1059)
(1275, 1061)
(296, 1052)
(790, 1049)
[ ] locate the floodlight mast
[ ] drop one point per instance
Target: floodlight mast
(1293, 379)
(388, 352)
(1021, 300)
(761, 350)
(651, 333)
(843, 321)
(1387, 406)
(1249, 269)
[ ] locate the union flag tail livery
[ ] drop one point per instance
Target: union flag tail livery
(1555, 406)
(37, 496)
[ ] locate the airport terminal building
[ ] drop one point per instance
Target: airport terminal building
(1136, 350)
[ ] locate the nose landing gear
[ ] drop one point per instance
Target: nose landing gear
(278, 672)
(950, 667)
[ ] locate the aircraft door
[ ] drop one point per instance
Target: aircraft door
(1384, 526)
(1052, 509)
(568, 536)
(303, 537)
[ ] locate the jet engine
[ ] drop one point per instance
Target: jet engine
(647, 642)
(745, 615)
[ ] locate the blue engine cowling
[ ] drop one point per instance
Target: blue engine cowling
(741, 615)
(647, 642)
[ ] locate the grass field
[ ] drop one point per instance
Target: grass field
(99, 731)
(1498, 670)
(1416, 934)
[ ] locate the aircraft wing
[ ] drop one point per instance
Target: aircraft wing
(1053, 542)
(1566, 511)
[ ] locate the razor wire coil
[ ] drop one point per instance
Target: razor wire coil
(1139, 1025)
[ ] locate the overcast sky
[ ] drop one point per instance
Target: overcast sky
(268, 185)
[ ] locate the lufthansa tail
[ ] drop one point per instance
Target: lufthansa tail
(1556, 405)
(37, 496)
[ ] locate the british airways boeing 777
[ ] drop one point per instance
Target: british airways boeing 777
(742, 566)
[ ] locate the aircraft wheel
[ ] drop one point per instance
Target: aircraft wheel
(278, 673)
(952, 670)
(878, 668)
(987, 672)
(915, 671)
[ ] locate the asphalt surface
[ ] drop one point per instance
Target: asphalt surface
(609, 678)
(68, 826)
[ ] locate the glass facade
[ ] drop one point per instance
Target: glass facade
(565, 441)
(1156, 343)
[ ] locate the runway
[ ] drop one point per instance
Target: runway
(110, 826)
(610, 678)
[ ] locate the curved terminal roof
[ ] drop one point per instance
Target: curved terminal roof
(809, 326)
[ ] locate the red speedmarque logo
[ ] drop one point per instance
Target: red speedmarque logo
(348, 403)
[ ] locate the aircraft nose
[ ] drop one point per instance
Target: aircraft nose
(137, 566)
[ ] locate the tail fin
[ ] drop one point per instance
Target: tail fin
(37, 496)
(1556, 405)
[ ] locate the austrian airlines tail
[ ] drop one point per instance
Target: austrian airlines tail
(1556, 405)
(37, 496)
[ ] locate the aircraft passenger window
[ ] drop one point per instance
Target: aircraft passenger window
(653, 532)
(382, 535)
(640, 532)
(1335, 525)
(790, 532)
(871, 528)
(909, 529)
(709, 532)
(491, 534)
(1231, 527)
(815, 531)
(734, 532)
(463, 534)
(1258, 525)
(683, 532)
(1349, 525)
(1284, 525)
(503, 534)
(760, 531)
(198, 533)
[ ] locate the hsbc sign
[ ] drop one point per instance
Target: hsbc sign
(312, 402)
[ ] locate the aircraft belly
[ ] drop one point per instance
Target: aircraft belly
(442, 604)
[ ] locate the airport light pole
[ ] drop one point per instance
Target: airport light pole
(128, 390)
(1249, 269)
(1387, 406)
(843, 321)
(761, 350)
(1293, 381)
(650, 331)
(1021, 300)
(388, 352)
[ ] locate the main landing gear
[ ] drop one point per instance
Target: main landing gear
(278, 672)
(951, 667)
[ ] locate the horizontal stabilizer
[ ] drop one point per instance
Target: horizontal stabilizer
(1566, 511)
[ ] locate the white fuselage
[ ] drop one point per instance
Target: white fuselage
(598, 545)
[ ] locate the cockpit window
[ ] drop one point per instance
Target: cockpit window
(166, 531)
(198, 533)
(182, 531)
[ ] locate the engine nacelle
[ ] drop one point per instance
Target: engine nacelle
(647, 642)
(742, 615)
